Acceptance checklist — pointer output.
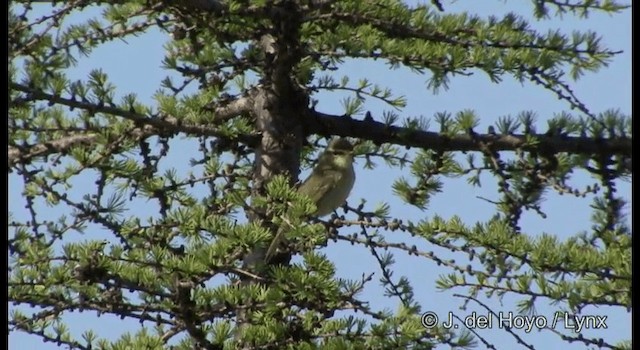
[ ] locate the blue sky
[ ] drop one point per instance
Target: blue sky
(134, 65)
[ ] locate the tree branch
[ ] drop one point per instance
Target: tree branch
(27, 153)
(149, 124)
(221, 113)
(327, 125)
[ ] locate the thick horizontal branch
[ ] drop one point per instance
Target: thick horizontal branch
(325, 124)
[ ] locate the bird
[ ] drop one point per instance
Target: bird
(328, 185)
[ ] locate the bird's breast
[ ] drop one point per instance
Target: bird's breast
(338, 194)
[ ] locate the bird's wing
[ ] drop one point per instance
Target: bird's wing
(313, 190)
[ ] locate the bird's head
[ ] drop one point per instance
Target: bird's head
(339, 152)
